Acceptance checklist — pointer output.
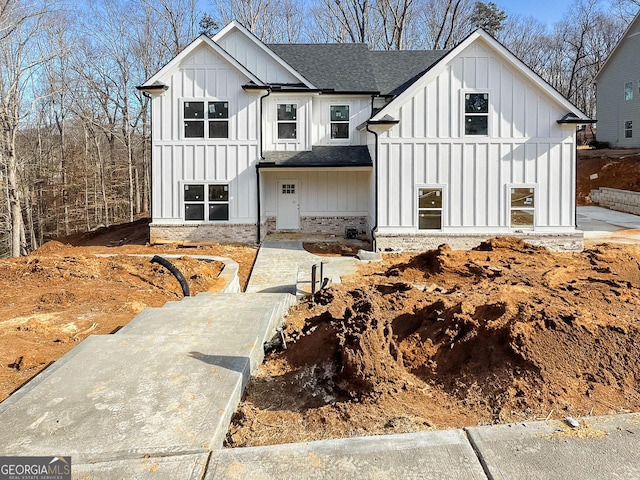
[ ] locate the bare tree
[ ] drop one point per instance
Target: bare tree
(445, 22)
(627, 9)
(21, 23)
(343, 21)
(395, 16)
(269, 20)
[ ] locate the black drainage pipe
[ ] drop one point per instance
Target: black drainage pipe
(176, 273)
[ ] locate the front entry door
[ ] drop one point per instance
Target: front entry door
(288, 214)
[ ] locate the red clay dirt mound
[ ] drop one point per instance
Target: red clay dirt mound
(507, 332)
(607, 168)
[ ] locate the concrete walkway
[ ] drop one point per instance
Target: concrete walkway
(285, 267)
(604, 225)
(154, 401)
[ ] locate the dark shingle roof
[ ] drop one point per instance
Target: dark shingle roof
(341, 156)
(352, 67)
(396, 70)
(343, 67)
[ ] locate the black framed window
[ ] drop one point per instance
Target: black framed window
(215, 124)
(476, 114)
(339, 121)
(287, 121)
(215, 204)
(628, 129)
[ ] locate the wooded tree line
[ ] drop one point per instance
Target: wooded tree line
(74, 131)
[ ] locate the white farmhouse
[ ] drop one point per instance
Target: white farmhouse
(411, 148)
(618, 92)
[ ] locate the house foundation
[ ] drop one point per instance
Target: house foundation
(203, 233)
(387, 242)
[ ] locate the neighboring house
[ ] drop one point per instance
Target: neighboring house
(618, 92)
(411, 148)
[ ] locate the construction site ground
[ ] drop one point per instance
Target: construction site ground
(434, 340)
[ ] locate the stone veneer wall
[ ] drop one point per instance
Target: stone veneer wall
(327, 225)
(203, 233)
(570, 242)
(615, 199)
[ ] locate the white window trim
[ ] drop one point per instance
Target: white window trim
(535, 208)
(206, 202)
(463, 114)
(443, 188)
(277, 122)
(340, 104)
(625, 129)
(206, 137)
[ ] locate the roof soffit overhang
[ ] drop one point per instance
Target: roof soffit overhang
(235, 25)
(487, 40)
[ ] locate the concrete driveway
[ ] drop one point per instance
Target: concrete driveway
(603, 225)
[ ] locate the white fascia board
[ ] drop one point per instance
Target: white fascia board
(626, 35)
(202, 39)
(236, 25)
(480, 35)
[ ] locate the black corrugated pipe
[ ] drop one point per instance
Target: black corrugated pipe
(176, 273)
(375, 179)
(258, 164)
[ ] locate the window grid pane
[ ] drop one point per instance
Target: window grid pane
(287, 111)
(339, 130)
(219, 129)
(194, 193)
(194, 211)
(339, 113)
(218, 193)
(476, 103)
(476, 125)
(194, 110)
(287, 130)
(218, 109)
(194, 129)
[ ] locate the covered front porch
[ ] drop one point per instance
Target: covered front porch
(327, 191)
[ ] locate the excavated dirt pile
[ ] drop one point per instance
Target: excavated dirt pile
(507, 332)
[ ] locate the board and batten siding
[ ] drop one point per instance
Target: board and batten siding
(525, 147)
(612, 110)
(322, 192)
(204, 76)
(255, 59)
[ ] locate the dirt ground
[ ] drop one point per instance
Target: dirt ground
(442, 339)
(55, 297)
(607, 168)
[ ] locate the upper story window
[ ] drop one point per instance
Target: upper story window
(287, 121)
(628, 91)
(476, 114)
(216, 119)
(340, 121)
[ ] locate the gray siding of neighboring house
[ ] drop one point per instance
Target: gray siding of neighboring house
(612, 109)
